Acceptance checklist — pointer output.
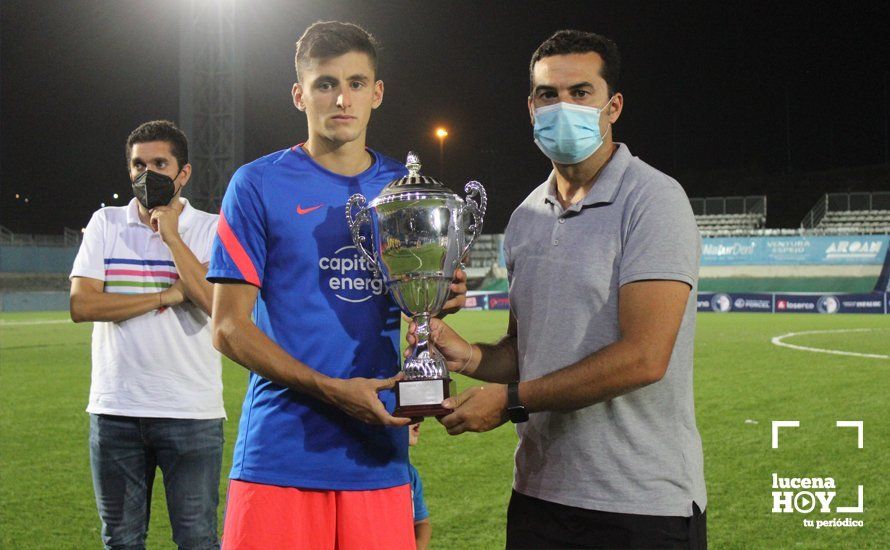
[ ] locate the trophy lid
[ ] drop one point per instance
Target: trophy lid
(414, 182)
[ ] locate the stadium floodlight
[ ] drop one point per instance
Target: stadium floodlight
(441, 133)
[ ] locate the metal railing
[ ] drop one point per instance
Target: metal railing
(816, 213)
(729, 213)
(845, 202)
(69, 237)
(751, 204)
(801, 231)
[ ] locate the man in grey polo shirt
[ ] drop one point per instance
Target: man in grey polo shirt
(596, 366)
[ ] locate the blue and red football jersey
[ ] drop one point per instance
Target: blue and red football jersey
(283, 229)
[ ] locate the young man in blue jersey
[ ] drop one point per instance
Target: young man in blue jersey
(320, 462)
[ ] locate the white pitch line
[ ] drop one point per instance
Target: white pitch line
(23, 323)
(778, 341)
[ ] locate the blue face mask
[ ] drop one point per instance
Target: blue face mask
(568, 133)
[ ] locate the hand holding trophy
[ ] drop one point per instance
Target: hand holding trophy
(421, 232)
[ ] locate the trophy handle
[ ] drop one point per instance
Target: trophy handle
(355, 227)
(474, 189)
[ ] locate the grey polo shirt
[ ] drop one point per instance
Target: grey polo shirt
(639, 453)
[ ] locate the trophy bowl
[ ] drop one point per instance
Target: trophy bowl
(420, 233)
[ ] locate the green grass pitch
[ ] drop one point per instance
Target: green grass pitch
(743, 382)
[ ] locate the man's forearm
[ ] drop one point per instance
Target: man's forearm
(193, 276)
(248, 346)
(423, 532)
(495, 362)
(111, 307)
(612, 371)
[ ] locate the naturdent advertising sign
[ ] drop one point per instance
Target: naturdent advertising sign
(844, 250)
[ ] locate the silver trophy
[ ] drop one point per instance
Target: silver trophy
(421, 233)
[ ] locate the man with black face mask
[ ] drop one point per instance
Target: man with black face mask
(156, 392)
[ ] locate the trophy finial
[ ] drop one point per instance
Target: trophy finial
(413, 164)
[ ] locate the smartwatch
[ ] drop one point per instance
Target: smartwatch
(515, 411)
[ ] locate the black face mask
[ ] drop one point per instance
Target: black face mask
(153, 189)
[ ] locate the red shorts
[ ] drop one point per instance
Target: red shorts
(269, 517)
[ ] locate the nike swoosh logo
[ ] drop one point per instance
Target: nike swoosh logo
(301, 210)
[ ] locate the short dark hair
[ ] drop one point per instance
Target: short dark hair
(160, 130)
(571, 41)
(326, 39)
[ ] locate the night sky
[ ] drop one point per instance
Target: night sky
(708, 88)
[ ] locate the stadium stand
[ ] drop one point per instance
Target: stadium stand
(850, 213)
(729, 216)
(840, 247)
(34, 270)
(486, 252)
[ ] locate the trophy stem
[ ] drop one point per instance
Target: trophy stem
(422, 321)
(427, 382)
(425, 362)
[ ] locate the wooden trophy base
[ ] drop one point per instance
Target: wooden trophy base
(420, 398)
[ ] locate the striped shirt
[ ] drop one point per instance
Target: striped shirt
(127, 276)
(162, 363)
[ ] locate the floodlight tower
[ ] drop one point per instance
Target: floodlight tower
(211, 97)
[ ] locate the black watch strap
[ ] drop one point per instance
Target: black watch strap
(515, 410)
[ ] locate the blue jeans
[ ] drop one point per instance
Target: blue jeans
(124, 454)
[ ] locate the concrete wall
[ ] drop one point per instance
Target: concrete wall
(37, 259)
(34, 301)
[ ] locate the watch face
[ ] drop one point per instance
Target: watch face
(517, 414)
